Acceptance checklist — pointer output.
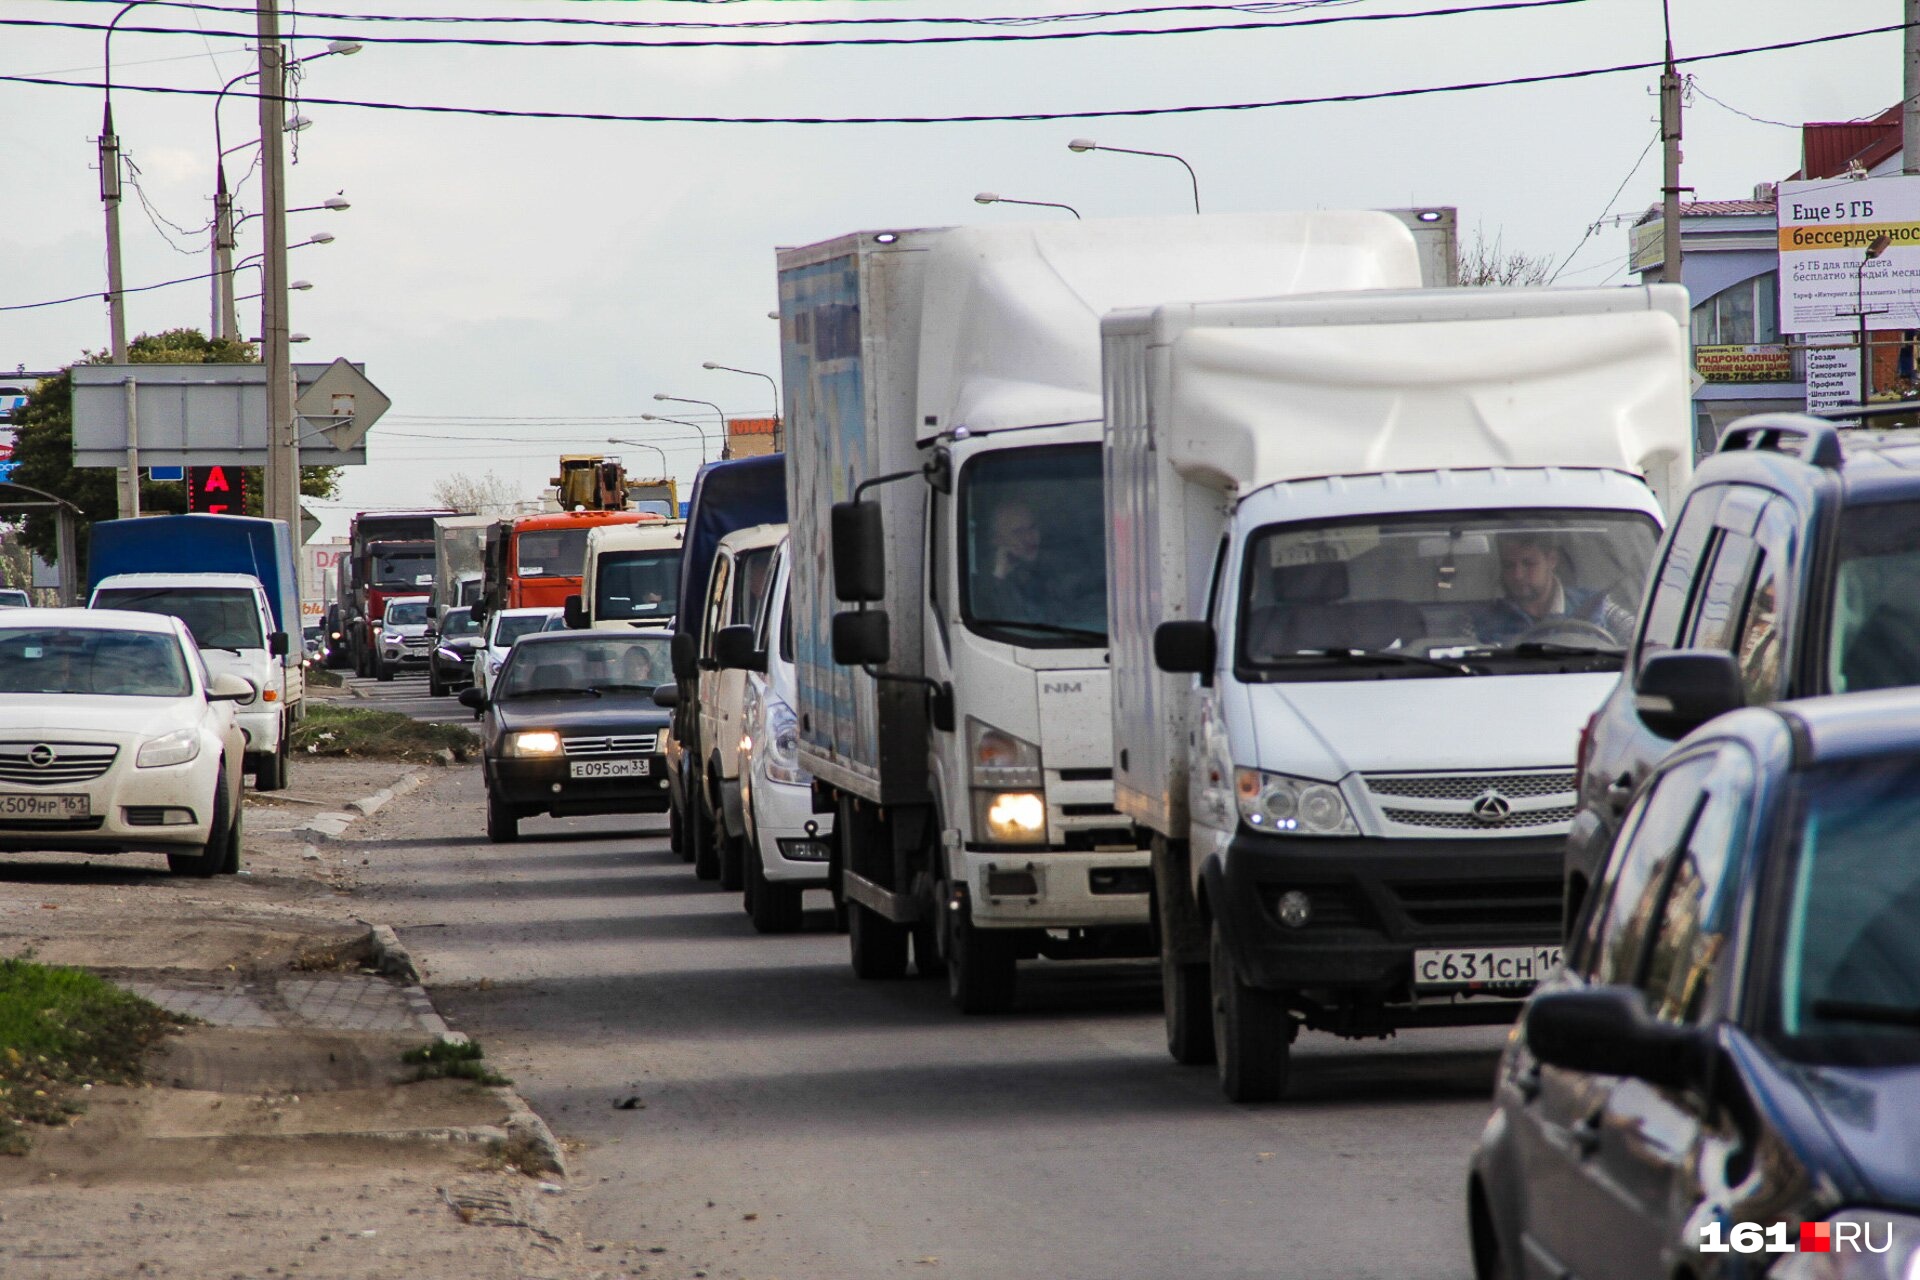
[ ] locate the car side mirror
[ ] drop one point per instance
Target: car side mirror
(733, 648)
(479, 614)
(471, 696)
(277, 644)
(861, 639)
(575, 613)
(1608, 1031)
(1681, 689)
(666, 695)
(227, 687)
(859, 553)
(1184, 647)
(686, 656)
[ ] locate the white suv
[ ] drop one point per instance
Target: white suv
(403, 636)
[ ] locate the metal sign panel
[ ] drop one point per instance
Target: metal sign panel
(342, 405)
(189, 415)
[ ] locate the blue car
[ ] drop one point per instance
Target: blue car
(1724, 1080)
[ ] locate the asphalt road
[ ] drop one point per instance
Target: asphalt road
(795, 1122)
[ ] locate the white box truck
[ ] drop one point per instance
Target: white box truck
(1373, 559)
(943, 388)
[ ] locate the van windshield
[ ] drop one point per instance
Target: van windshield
(636, 584)
(1876, 614)
(219, 617)
(1032, 539)
(1461, 593)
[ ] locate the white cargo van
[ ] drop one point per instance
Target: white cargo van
(1373, 560)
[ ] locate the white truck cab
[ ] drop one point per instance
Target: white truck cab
(631, 576)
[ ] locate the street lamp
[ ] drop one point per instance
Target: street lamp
(1083, 145)
(298, 286)
(994, 197)
(666, 468)
(682, 422)
(1874, 250)
(725, 450)
(752, 373)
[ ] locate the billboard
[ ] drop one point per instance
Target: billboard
(1827, 228)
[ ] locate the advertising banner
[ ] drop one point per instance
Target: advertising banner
(1827, 228)
(1771, 362)
(1833, 373)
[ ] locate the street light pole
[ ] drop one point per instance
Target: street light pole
(682, 422)
(1083, 145)
(994, 197)
(708, 364)
(1874, 250)
(726, 446)
(666, 468)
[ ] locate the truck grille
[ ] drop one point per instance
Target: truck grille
(1466, 786)
(1447, 904)
(1518, 820)
(51, 763)
(618, 744)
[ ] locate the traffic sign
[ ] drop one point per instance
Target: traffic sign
(342, 404)
(166, 473)
(309, 526)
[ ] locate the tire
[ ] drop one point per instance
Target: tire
(981, 971)
(213, 855)
(928, 961)
(230, 860)
(1252, 1032)
(730, 856)
(1186, 999)
(503, 827)
(773, 908)
(272, 773)
(435, 686)
(706, 857)
(878, 945)
(676, 837)
(381, 671)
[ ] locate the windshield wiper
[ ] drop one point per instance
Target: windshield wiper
(1362, 656)
(1558, 649)
(1046, 628)
(552, 693)
(623, 688)
(1891, 1015)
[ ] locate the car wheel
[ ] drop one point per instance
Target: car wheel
(1252, 1032)
(502, 826)
(981, 971)
(436, 687)
(676, 833)
(878, 945)
(230, 859)
(381, 671)
(212, 858)
(706, 856)
(774, 908)
(1186, 998)
(730, 854)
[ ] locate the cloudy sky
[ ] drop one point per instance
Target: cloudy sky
(522, 287)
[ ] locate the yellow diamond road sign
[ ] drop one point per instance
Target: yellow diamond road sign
(342, 405)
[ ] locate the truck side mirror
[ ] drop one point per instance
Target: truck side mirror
(1682, 689)
(861, 639)
(859, 553)
(733, 647)
(1184, 647)
(575, 613)
(686, 656)
(277, 644)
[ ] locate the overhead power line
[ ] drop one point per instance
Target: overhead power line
(507, 113)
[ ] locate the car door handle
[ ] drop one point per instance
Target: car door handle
(1619, 791)
(1586, 1134)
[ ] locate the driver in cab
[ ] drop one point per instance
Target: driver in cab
(1535, 597)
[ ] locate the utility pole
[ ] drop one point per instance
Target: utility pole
(1910, 91)
(129, 494)
(1670, 179)
(225, 323)
(281, 500)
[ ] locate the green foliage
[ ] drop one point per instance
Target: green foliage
(43, 443)
(452, 1059)
(329, 729)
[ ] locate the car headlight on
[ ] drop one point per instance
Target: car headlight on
(177, 747)
(1011, 817)
(996, 758)
(1292, 806)
(533, 742)
(1860, 1244)
(782, 742)
(451, 655)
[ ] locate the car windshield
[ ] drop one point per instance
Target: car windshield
(408, 568)
(595, 662)
(1848, 978)
(459, 622)
(407, 613)
(87, 660)
(1875, 641)
(550, 553)
(636, 584)
(219, 617)
(514, 625)
(1463, 593)
(13, 598)
(1032, 535)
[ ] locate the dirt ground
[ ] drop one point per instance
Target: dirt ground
(268, 1150)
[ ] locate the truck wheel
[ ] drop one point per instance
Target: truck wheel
(879, 946)
(981, 973)
(774, 908)
(1252, 1032)
(676, 838)
(502, 826)
(272, 773)
(212, 858)
(1186, 997)
(706, 858)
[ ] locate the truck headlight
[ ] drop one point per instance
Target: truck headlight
(1861, 1244)
(533, 742)
(177, 747)
(1293, 806)
(1010, 817)
(782, 742)
(995, 758)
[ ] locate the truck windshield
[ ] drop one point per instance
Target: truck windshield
(550, 553)
(1442, 593)
(1876, 619)
(1032, 539)
(219, 617)
(636, 584)
(402, 569)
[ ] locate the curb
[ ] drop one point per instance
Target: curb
(333, 825)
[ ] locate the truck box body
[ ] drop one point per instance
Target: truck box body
(1210, 402)
(459, 555)
(204, 544)
(726, 496)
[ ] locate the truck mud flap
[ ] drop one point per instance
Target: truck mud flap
(1183, 933)
(901, 908)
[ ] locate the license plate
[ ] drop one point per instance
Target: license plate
(1484, 966)
(607, 768)
(43, 806)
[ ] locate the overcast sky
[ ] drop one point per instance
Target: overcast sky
(521, 288)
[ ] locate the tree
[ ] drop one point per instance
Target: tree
(1488, 263)
(488, 495)
(43, 442)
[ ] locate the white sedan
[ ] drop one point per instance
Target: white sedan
(503, 627)
(113, 739)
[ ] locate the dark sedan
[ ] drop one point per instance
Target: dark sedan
(572, 728)
(1725, 1080)
(450, 663)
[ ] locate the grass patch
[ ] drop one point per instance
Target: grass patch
(325, 678)
(453, 1059)
(62, 1027)
(359, 732)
